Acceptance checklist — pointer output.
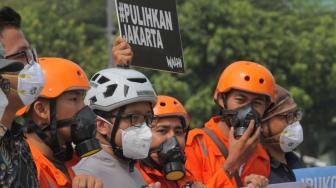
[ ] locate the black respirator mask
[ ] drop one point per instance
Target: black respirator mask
(83, 132)
(172, 159)
(240, 118)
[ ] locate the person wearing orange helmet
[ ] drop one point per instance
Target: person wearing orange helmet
(228, 148)
(57, 119)
(166, 162)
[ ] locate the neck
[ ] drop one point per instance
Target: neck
(224, 128)
(40, 145)
(8, 118)
(277, 154)
(106, 146)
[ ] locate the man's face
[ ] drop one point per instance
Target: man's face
(13, 40)
(135, 114)
(67, 105)
(236, 99)
(276, 124)
(165, 128)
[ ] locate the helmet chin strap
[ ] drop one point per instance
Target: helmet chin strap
(50, 139)
(116, 149)
(224, 111)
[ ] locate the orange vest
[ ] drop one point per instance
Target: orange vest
(48, 174)
(205, 160)
(152, 175)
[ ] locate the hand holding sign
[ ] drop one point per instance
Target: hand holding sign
(122, 52)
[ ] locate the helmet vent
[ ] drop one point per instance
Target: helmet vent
(175, 102)
(261, 80)
(247, 78)
(102, 80)
(162, 104)
(138, 80)
(93, 99)
(79, 73)
(94, 77)
(110, 90)
(126, 88)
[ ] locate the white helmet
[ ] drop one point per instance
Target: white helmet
(115, 87)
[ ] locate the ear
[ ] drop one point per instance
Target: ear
(41, 110)
(102, 127)
(220, 100)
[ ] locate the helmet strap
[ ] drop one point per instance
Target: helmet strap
(116, 149)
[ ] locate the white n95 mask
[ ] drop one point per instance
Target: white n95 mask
(136, 141)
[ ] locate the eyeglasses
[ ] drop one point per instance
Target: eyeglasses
(25, 56)
(137, 119)
(292, 116)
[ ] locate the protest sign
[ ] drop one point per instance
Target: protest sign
(318, 177)
(151, 28)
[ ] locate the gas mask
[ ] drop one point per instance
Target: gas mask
(289, 138)
(172, 159)
(240, 118)
(83, 132)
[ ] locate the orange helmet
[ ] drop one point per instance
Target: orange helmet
(169, 106)
(246, 76)
(60, 75)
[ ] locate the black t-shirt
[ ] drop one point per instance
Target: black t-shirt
(17, 168)
(281, 173)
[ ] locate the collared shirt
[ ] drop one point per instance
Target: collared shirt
(17, 168)
(281, 173)
(114, 173)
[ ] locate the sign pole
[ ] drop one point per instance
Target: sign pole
(109, 34)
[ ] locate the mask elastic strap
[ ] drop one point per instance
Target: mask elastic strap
(53, 144)
(116, 149)
(149, 162)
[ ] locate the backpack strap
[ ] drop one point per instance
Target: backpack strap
(223, 150)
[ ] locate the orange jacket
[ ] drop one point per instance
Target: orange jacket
(152, 175)
(205, 160)
(48, 174)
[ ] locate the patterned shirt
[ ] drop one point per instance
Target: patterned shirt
(17, 168)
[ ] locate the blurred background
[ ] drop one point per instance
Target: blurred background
(295, 39)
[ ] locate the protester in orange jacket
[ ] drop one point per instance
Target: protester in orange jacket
(57, 119)
(165, 163)
(244, 91)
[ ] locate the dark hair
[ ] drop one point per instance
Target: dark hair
(9, 18)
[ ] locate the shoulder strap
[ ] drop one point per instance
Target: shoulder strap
(223, 150)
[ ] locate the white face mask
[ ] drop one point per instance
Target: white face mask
(3, 103)
(291, 137)
(30, 83)
(136, 141)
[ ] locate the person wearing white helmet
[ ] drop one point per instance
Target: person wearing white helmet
(123, 100)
